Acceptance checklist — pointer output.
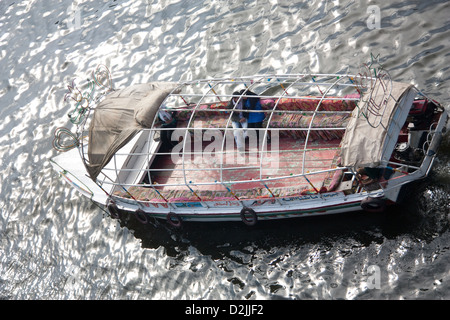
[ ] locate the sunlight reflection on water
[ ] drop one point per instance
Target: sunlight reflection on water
(56, 245)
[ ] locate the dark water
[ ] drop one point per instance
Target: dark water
(56, 245)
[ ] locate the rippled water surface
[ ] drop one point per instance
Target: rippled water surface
(57, 245)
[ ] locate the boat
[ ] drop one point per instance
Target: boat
(328, 143)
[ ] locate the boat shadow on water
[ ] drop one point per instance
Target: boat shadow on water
(422, 216)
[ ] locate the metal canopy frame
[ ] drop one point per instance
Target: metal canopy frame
(315, 87)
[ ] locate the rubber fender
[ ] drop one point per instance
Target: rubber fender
(247, 211)
(174, 219)
(371, 204)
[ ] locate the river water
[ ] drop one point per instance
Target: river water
(56, 245)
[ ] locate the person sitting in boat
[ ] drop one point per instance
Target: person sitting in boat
(168, 120)
(239, 120)
(255, 119)
(369, 175)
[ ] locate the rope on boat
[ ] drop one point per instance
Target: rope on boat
(64, 173)
(356, 86)
(229, 190)
(159, 193)
(268, 80)
(270, 191)
(214, 91)
(131, 196)
(113, 210)
(195, 194)
(187, 104)
(311, 184)
(314, 80)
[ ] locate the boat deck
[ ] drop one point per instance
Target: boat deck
(198, 177)
(283, 161)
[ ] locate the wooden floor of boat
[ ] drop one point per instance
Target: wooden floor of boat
(288, 161)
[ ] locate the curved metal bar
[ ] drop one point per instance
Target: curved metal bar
(209, 87)
(312, 120)
(245, 181)
(267, 126)
(227, 125)
(187, 131)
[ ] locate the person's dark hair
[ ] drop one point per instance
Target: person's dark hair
(252, 100)
(236, 93)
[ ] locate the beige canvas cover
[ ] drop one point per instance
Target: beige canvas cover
(118, 118)
(363, 144)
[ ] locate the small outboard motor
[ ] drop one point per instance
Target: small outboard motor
(419, 121)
